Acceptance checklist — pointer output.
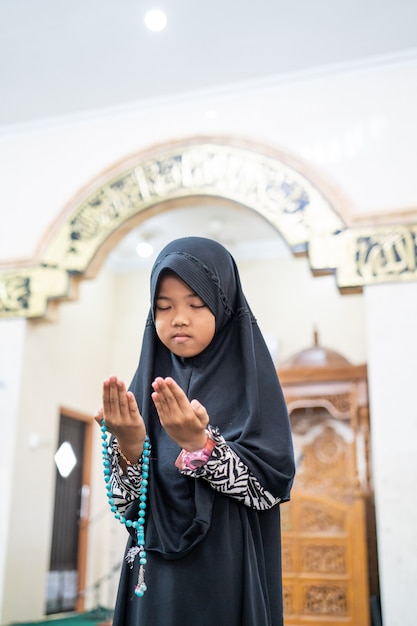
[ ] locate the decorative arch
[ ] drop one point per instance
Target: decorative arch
(305, 212)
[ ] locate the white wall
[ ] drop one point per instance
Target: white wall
(357, 129)
(12, 340)
(63, 365)
(290, 304)
(392, 348)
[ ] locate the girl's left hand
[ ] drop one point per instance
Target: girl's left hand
(184, 421)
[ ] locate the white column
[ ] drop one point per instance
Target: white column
(12, 337)
(392, 361)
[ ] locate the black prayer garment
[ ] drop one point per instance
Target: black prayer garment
(211, 559)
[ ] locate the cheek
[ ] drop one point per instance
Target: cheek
(159, 327)
(210, 328)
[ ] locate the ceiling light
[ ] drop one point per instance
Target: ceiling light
(144, 249)
(155, 20)
(216, 226)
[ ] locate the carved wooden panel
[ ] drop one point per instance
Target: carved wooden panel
(324, 530)
(324, 562)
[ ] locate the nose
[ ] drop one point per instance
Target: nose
(180, 318)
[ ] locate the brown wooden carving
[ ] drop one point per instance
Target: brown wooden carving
(328, 529)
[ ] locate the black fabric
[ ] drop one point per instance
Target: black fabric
(210, 558)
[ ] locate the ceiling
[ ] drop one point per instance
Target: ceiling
(61, 58)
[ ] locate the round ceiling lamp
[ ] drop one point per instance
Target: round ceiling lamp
(155, 20)
(144, 249)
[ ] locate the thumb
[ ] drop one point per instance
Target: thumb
(200, 411)
(99, 416)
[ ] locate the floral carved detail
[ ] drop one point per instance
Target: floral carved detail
(325, 600)
(315, 519)
(288, 599)
(341, 401)
(327, 464)
(309, 410)
(287, 556)
(324, 559)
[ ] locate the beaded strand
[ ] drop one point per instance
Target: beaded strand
(138, 525)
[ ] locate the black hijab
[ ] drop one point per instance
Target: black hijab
(234, 378)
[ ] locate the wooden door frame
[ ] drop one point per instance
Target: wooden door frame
(84, 520)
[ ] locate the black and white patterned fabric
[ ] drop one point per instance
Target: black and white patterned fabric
(224, 471)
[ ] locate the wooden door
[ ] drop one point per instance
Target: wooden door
(327, 543)
(67, 572)
(324, 562)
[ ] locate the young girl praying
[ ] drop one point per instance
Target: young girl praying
(200, 455)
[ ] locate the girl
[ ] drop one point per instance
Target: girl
(207, 492)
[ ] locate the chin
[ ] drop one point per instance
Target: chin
(184, 352)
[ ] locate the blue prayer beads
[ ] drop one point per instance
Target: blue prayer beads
(138, 525)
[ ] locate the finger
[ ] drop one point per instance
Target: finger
(122, 400)
(167, 411)
(174, 394)
(106, 396)
(132, 405)
(114, 394)
(201, 412)
(116, 408)
(162, 397)
(110, 394)
(156, 402)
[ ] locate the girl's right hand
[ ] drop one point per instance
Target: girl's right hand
(122, 418)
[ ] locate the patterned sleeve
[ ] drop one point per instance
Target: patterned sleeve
(125, 487)
(226, 472)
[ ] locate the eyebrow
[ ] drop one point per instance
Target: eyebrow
(192, 294)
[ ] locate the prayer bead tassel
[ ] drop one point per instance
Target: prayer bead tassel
(138, 525)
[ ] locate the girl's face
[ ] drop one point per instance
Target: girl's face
(183, 322)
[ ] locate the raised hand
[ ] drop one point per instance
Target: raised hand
(122, 418)
(184, 421)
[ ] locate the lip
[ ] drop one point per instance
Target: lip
(180, 338)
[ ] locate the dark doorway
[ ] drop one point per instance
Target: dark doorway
(66, 577)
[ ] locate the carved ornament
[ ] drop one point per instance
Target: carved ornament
(277, 190)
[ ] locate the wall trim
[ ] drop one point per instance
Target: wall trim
(303, 209)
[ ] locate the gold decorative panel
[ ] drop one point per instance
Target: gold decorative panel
(24, 293)
(366, 256)
(271, 184)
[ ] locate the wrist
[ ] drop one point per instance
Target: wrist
(196, 444)
(130, 454)
(196, 458)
